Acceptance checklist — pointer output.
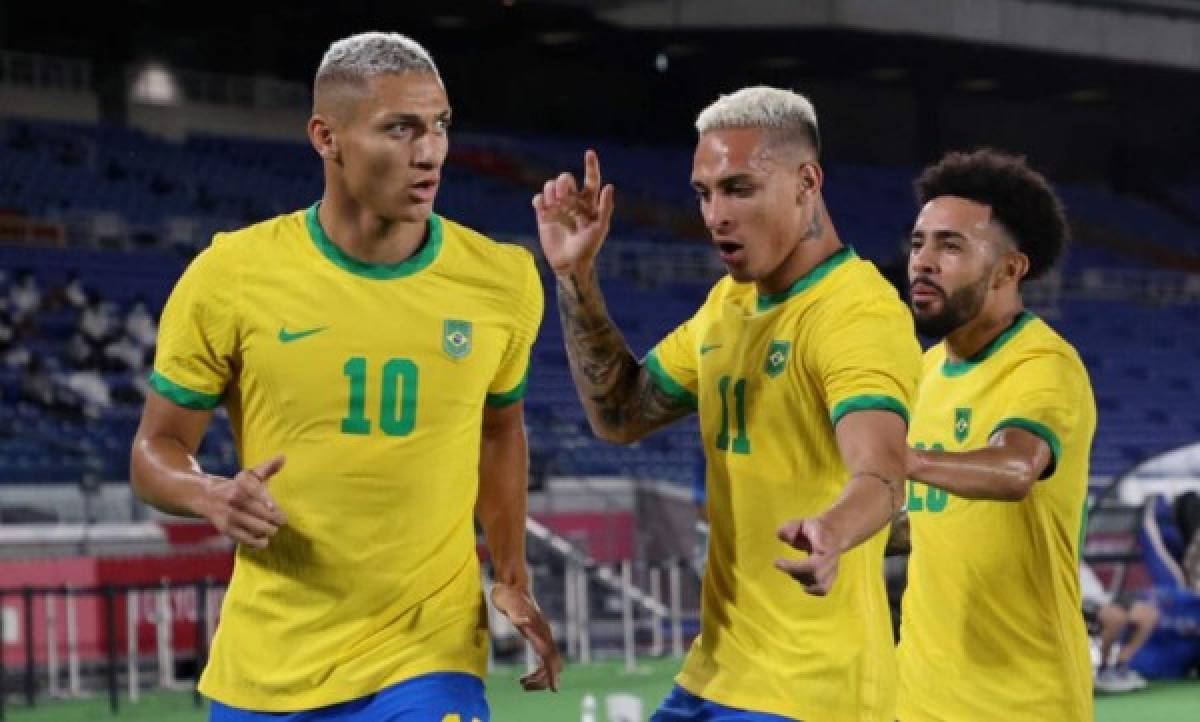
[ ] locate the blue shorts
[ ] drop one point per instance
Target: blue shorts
(683, 706)
(428, 698)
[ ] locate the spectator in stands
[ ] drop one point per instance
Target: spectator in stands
(80, 353)
(98, 322)
(40, 386)
(24, 298)
(1112, 621)
(140, 324)
(92, 390)
(124, 354)
(17, 357)
(1187, 517)
(72, 294)
(802, 365)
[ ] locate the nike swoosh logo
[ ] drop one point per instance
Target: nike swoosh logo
(287, 337)
(709, 347)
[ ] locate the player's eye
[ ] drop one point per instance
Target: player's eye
(443, 124)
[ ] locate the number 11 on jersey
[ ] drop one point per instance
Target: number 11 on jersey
(741, 442)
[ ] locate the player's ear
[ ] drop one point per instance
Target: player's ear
(1021, 266)
(323, 138)
(811, 178)
(1013, 267)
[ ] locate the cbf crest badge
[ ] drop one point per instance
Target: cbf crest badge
(456, 338)
(777, 356)
(962, 424)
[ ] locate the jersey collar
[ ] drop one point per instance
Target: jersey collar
(958, 368)
(379, 271)
(808, 280)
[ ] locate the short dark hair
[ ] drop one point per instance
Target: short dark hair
(1021, 200)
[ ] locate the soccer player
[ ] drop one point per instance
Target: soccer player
(381, 350)
(802, 364)
(990, 624)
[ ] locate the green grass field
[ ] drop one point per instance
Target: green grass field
(1163, 702)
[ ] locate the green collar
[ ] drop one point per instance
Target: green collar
(378, 271)
(808, 280)
(958, 368)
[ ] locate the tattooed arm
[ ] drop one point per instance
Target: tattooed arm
(621, 400)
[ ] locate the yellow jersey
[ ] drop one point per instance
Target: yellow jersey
(372, 380)
(771, 376)
(991, 625)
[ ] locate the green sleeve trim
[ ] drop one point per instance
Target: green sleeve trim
(509, 398)
(869, 402)
(182, 396)
(665, 383)
(1045, 433)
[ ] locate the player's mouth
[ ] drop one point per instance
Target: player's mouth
(731, 252)
(924, 292)
(423, 191)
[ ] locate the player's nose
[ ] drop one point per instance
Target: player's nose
(921, 261)
(716, 218)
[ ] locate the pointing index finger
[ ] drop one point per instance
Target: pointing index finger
(591, 171)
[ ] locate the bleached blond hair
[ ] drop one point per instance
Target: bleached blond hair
(789, 115)
(359, 57)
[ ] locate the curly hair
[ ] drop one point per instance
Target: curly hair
(1021, 200)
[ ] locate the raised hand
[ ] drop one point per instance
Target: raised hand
(573, 221)
(818, 570)
(518, 605)
(242, 509)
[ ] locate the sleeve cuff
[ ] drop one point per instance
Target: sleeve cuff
(508, 398)
(868, 402)
(1043, 432)
(665, 383)
(182, 396)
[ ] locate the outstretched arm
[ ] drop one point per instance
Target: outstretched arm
(872, 447)
(621, 400)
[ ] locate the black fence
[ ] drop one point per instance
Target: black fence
(20, 677)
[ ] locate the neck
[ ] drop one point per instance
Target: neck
(820, 242)
(974, 335)
(364, 235)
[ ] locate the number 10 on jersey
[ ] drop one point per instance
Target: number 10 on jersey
(398, 397)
